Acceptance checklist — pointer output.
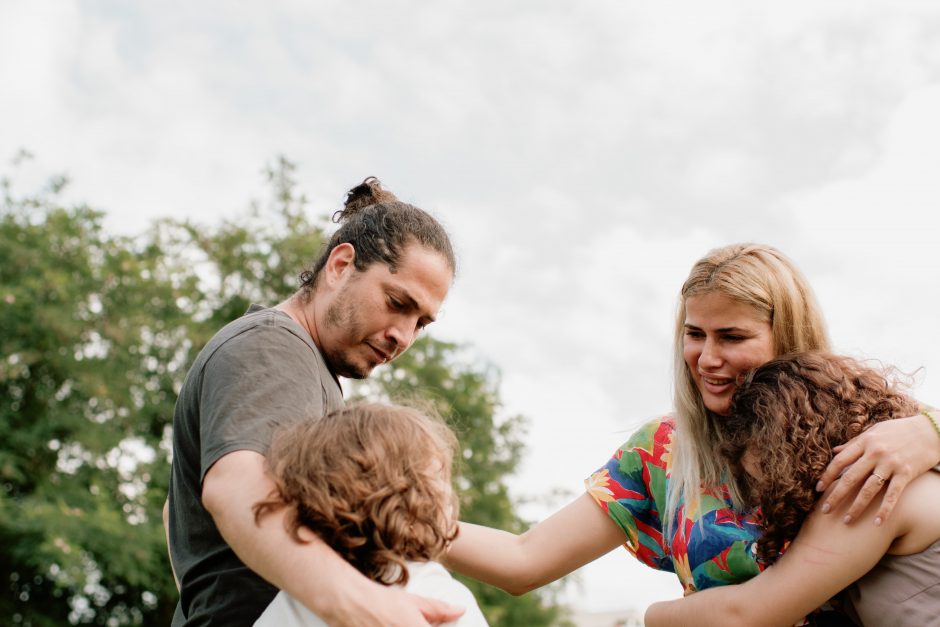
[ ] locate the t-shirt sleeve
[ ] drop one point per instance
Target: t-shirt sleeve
(256, 381)
(631, 488)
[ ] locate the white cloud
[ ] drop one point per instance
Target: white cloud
(875, 245)
(583, 155)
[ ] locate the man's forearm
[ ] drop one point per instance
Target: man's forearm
(311, 571)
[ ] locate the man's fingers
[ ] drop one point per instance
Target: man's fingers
(437, 612)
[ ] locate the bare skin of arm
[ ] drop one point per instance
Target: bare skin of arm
(166, 528)
(898, 450)
(312, 572)
(824, 558)
(572, 537)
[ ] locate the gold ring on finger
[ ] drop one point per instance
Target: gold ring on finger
(881, 480)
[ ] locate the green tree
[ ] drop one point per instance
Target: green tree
(99, 330)
(92, 338)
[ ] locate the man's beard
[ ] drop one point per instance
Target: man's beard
(342, 315)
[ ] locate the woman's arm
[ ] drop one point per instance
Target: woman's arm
(825, 557)
(579, 533)
(897, 450)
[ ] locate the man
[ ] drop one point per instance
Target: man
(381, 279)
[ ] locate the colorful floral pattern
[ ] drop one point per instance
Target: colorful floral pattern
(710, 546)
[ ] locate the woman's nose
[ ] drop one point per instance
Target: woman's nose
(710, 354)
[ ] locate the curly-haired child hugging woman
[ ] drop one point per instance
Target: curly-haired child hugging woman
(374, 482)
(785, 420)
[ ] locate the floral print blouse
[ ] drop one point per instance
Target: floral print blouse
(710, 544)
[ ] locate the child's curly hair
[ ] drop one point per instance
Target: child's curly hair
(790, 413)
(373, 481)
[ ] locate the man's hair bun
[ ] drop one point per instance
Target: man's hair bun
(366, 194)
(379, 227)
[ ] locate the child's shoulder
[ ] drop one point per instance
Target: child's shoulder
(432, 580)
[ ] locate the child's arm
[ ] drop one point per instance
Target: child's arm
(577, 534)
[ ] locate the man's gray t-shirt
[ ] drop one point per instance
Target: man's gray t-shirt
(260, 371)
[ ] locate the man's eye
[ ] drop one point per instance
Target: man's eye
(693, 333)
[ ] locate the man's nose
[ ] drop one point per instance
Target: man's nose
(401, 334)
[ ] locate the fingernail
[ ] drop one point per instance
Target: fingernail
(877, 521)
(820, 487)
(846, 519)
(825, 508)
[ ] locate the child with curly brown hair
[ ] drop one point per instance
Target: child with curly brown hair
(373, 482)
(786, 419)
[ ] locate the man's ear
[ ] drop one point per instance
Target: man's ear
(340, 263)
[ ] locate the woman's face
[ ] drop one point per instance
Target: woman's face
(723, 340)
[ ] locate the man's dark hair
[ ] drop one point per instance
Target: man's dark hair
(380, 227)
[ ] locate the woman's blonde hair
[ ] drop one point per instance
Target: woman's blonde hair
(765, 279)
(372, 481)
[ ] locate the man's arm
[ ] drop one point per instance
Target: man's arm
(312, 573)
(166, 528)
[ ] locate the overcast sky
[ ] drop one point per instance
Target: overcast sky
(583, 155)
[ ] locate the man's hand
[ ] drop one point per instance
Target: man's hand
(393, 607)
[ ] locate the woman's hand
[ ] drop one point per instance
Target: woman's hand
(892, 452)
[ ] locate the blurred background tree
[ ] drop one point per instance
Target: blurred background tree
(98, 332)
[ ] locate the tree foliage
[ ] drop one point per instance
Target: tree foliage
(93, 341)
(98, 331)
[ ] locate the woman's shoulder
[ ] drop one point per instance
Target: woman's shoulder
(658, 431)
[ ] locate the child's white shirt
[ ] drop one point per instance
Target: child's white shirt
(427, 579)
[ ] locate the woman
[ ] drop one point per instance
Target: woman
(785, 419)
(664, 491)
